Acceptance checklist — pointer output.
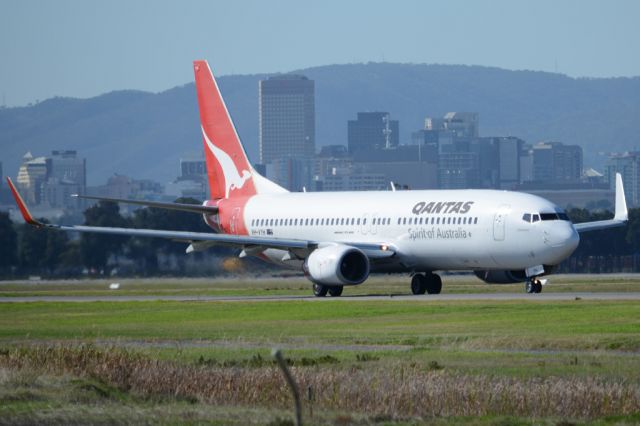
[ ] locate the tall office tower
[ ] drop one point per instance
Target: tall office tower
(67, 168)
(556, 162)
(628, 165)
(31, 175)
(372, 130)
(66, 175)
(192, 167)
(456, 124)
(510, 151)
(287, 118)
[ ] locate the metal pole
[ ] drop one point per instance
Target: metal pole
(277, 354)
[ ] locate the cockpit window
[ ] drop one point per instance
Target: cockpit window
(554, 216)
(526, 217)
(536, 218)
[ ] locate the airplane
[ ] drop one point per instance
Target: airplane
(338, 239)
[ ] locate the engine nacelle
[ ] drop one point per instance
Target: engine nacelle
(501, 277)
(337, 265)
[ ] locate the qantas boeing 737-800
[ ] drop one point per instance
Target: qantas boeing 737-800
(338, 238)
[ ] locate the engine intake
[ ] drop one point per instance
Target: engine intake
(337, 265)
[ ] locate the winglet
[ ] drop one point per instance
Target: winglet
(22, 206)
(621, 212)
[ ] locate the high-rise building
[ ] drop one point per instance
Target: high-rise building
(555, 162)
(193, 168)
(66, 175)
(458, 170)
(628, 165)
(31, 175)
(372, 130)
(287, 118)
(510, 150)
(458, 124)
(293, 173)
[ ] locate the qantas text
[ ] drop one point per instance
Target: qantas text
(442, 207)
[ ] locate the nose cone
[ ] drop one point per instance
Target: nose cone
(563, 238)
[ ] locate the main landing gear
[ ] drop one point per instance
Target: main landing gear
(429, 283)
(533, 285)
(320, 290)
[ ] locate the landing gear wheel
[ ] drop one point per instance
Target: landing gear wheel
(528, 286)
(434, 284)
(335, 291)
(320, 290)
(418, 284)
(537, 286)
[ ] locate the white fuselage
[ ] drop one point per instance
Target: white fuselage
(430, 230)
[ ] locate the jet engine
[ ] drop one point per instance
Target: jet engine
(337, 265)
(501, 277)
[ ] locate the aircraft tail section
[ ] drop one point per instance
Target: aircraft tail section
(229, 172)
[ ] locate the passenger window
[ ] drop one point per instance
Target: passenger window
(364, 221)
(475, 221)
(399, 221)
(438, 220)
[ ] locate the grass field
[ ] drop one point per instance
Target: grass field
(366, 362)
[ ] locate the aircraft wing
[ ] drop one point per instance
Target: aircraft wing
(620, 217)
(203, 240)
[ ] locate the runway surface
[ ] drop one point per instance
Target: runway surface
(394, 297)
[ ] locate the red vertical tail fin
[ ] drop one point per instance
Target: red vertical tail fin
(228, 169)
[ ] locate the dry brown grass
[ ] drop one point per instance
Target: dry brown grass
(398, 391)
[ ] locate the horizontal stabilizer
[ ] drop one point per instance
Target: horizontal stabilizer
(192, 208)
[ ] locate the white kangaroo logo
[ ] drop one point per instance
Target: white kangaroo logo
(232, 179)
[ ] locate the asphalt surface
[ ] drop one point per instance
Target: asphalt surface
(346, 298)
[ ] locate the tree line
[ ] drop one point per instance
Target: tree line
(25, 250)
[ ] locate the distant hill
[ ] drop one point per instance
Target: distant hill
(143, 135)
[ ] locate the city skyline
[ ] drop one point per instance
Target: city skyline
(73, 43)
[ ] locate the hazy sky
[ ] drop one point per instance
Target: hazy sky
(82, 48)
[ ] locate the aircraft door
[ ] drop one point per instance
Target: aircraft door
(499, 222)
(374, 224)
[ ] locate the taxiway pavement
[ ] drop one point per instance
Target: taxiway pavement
(345, 298)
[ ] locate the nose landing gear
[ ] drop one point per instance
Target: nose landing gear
(533, 285)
